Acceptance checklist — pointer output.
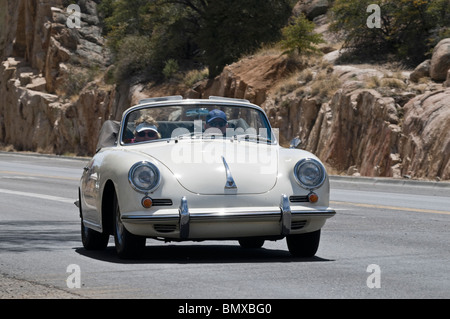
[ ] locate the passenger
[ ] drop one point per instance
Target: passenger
(146, 129)
(217, 119)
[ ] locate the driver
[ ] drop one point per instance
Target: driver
(146, 129)
(217, 119)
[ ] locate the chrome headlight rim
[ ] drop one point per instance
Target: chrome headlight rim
(154, 185)
(319, 166)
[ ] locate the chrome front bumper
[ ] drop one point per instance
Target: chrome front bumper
(284, 216)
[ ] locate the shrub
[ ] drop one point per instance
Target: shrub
(77, 79)
(135, 54)
(170, 69)
(300, 37)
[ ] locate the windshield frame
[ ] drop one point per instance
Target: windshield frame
(272, 140)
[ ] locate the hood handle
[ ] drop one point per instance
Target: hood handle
(230, 184)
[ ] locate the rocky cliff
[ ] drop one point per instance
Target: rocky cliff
(374, 122)
(43, 60)
(360, 120)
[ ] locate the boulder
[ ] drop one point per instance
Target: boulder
(447, 82)
(311, 8)
(421, 71)
(440, 61)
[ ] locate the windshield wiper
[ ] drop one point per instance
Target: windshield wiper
(240, 137)
(187, 135)
(253, 137)
(204, 135)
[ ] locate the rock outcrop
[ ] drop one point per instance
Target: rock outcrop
(311, 8)
(359, 131)
(425, 143)
(42, 58)
(440, 61)
(251, 78)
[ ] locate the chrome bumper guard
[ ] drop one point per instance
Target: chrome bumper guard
(286, 215)
(184, 218)
(285, 210)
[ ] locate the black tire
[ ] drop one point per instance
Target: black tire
(303, 245)
(251, 243)
(128, 245)
(93, 240)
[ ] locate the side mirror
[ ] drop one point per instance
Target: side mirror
(295, 142)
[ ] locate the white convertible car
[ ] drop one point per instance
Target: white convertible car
(179, 169)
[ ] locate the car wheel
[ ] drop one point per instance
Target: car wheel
(127, 244)
(303, 245)
(251, 243)
(93, 240)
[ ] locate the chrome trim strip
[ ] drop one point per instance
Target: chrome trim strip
(161, 99)
(275, 215)
(184, 218)
(146, 218)
(230, 181)
(286, 216)
(92, 225)
(228, 99)
(242, 215)
(323, 213)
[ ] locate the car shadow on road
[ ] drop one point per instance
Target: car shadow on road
(21, 236)
(199, 254)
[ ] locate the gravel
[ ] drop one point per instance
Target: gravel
(13, 288)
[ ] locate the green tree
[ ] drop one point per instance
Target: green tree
(406, 26)
(229, 29)
(126, 17)
(214, 32)
(143, 35)
(300, 37)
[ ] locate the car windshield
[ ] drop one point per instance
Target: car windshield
(150, 124)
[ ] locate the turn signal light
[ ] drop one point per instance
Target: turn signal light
(147, 202)
(313, 198)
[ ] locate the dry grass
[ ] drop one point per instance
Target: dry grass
(7, 148)
(316, 81)
(325, 85)
(394, 80)
(195, 76)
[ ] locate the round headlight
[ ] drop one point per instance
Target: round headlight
(144, 177)
(309, 173)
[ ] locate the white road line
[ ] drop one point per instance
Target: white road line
(32, 175)
(40, 196)
(406, 209)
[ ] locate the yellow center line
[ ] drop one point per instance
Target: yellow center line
(405, 209)
(39, 175)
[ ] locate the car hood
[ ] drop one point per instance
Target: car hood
(201, 166)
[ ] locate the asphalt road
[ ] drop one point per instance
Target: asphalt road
(387, 240)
